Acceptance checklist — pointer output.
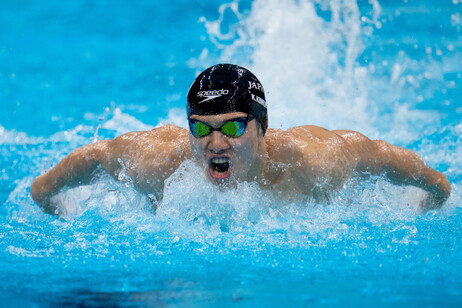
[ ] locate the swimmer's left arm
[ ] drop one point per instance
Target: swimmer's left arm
(403, 166)
(400, 166)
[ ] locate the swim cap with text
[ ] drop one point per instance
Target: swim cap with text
(225, 88)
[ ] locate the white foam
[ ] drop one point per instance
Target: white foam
(308, 66)
(176, 116)
(194, 208)
(13, 137)
(123, 123)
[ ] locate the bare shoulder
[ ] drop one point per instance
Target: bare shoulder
(161, 147)
(312, 154)
(304, 133)
(163, 134)
(158, 139)
(300, 140)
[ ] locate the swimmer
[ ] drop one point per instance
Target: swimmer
(230, 140)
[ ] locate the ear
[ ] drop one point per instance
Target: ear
(264, 125)
(260, 131)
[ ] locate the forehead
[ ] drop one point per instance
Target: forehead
(218, 118)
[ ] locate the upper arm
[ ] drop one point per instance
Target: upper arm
(332, 155)
(378, 156)
(78, 164)
(374, 156)
(401, 166)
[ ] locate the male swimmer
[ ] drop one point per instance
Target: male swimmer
(229, 139)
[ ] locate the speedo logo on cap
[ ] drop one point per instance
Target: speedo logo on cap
(211, 94)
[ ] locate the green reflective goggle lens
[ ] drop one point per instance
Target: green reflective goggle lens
(233, 128)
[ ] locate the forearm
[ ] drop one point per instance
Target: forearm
(438, 186)
(75, 169)
(432, 181)
(404, 167)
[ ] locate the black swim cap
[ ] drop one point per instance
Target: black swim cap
(225, 88)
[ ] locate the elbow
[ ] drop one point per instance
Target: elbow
(36, 190)
(41, 195)
(438, 194)
(443, 188)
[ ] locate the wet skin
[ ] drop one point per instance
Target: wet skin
(301, 161)
(245, 155)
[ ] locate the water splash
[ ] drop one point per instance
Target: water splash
(368, 242)
(195, 210)
(309, 57)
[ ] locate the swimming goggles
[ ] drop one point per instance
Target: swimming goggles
(233, 128)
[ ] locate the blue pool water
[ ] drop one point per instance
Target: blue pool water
(72, 72)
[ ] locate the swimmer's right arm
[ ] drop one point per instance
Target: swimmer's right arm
(149, 157)
(73, 170)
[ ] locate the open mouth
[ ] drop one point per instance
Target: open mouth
(219, 167)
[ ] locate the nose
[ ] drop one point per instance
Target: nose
(218, 143)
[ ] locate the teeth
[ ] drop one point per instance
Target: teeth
(219, 164)
(219, 160)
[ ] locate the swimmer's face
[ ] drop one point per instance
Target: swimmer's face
(228, 160)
